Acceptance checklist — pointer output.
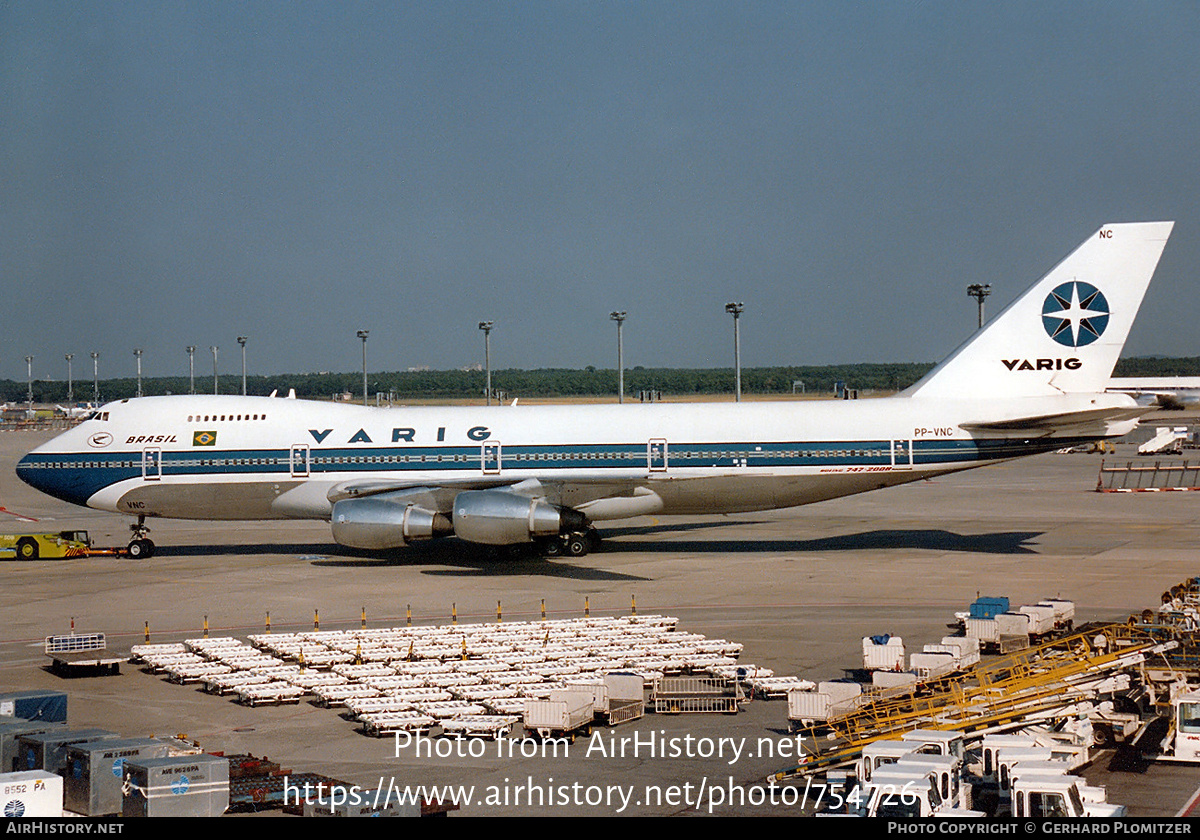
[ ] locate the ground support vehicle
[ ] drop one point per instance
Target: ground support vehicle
(61, 545)
(564, 714)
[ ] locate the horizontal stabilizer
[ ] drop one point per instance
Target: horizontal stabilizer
(1058, 422)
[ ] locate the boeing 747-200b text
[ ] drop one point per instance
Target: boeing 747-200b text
(1032, 381)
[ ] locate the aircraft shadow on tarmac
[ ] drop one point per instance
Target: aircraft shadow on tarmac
(1004, 542)
(464, 559)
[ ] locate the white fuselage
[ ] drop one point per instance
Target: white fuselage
(231, 457)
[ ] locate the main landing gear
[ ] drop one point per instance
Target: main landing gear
(140, 547)
(574, 544)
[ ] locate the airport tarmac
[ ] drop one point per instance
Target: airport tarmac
(799, 588)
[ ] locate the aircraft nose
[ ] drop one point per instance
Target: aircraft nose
(44, 473)
(27, 472)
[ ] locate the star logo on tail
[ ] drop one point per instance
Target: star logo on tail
(1075, 314)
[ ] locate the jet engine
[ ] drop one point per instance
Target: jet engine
(498, 517)
(377, 522)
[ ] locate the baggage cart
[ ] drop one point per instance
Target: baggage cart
(480, 726)
(686, 695)
(565, 713)
(883, 653)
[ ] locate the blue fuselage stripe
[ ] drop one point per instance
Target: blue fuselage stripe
(77, 476)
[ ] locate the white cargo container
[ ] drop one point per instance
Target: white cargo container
(1013, 624)
(563, 713)
(985, 630)
(829, 699)
(967, 649)
(891, 680)
(933, 664)
(1064, 612)
(610, 689)
(31, 793)
(1041, 619)
(883, 653)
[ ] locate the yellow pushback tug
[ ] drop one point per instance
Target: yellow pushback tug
(55, 546)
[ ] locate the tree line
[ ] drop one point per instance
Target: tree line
(866, 377)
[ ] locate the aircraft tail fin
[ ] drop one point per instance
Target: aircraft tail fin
(1064, 334)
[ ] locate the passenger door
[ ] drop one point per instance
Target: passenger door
(656, 455)
(299, 460)
(489, 456)
(152, 463)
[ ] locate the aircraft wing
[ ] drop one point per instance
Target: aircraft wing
(1066, 422)
(576, 490)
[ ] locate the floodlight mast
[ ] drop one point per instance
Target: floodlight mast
(191, 351)
(242, 341)
(362, 334)
(736, 309)
(619, 317)
(95, 377)
(979, 291)
(486, 326)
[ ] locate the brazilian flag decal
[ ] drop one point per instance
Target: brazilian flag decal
(204, 439)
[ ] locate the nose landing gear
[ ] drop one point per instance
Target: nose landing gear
(140, 547)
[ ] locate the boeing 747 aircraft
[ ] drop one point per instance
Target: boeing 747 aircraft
(1033, 381)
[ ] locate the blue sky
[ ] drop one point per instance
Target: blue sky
(187, 172)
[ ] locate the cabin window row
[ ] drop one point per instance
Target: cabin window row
(223, 418)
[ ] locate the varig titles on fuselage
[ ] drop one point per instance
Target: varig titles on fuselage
(403, 434)
(1043, 364)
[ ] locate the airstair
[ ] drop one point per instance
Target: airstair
(1165, 437)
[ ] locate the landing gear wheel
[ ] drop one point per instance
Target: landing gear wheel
(577, 545)
(552, 548)
(140, 549)
(27, 549)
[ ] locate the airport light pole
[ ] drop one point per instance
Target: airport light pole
(979, 291)
(70, 381)
(242, 341)
(486, 326)
(138, 353)
(214, 349)
(619, 317)
(735, 309)
(95, 377)
(363, 335)
(29, 379)
(191, 351)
